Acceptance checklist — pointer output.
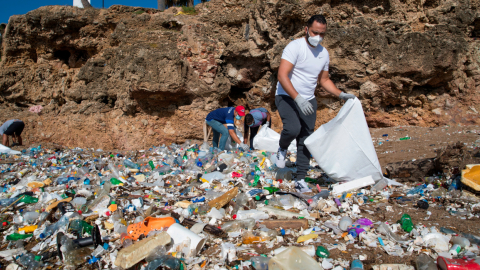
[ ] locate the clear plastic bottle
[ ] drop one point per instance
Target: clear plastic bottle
(380, 185)
(385, 230)
(156, 253)
(260, 263)
(240, 201)
(235, 225)
(425, 262)
(417, 190)
(258, 236)
(131, 164)
(61, 223)
(166, 261)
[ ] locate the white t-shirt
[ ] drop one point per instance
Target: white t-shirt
(307, 62)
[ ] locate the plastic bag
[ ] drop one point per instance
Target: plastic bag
(7, 150)
(343, 147)
(267, 139)
(232, 144)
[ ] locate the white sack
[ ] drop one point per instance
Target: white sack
(7, 150)
(343, 147)
(269, 140)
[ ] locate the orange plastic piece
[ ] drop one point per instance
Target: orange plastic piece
(113, 207)
(147, 225)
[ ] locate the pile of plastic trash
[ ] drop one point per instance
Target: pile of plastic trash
(194, 207)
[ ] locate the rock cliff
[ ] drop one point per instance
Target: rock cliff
(132, 77)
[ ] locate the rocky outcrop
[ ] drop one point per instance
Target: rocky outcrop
(128, 77)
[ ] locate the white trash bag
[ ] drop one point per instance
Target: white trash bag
(7, 150)
(343, 147)
(269, 140)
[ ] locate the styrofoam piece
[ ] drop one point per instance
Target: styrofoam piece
(180, 233)
(129, 256)
(352, 185)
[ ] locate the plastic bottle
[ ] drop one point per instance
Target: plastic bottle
(213, 176)
(356, 265)
(406, 222)
(235, 225)
(253, 213)
(26, 199)
(21, 173)
(256, 237)
(447, 231)
(417, 190)
(425, 262)
(472, 238)
(30, 217)
(240, 201)
(113, 171)
(284, 174)
(131, 164)
(380, 185)
(385, 230)
(167, 261)
(260, 263)
(156, 253)
(62, 222)
(17, 236)
(73, 254)
(80, 227)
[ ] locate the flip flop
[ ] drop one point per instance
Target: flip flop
(147, 225)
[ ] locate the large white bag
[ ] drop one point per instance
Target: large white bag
(343, 147)
(269, 140)
(7, 150)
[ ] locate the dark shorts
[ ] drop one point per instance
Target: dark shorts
(15, 128)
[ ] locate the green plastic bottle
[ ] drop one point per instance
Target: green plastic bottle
(255, 181)
(80, 226)
(17, 236)
(115, 181)
(310, 180)
(151, 165)
(271, 189)
(28, 199)
(406, 222)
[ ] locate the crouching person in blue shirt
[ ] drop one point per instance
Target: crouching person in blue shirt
(217, 118)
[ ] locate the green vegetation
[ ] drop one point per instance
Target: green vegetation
(189, 10)
(138, 12)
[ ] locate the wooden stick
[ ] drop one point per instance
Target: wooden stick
(5, 209)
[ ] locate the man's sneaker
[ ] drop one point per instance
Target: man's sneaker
(280, 160)
(301, 186)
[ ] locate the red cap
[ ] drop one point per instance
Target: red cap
(240, 110)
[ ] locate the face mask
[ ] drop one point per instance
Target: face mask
(314, 41)
(251, 124)
(238, 117)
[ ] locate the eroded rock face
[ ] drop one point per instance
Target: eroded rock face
(128, 77)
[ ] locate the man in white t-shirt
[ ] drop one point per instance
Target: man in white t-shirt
(303, 62)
